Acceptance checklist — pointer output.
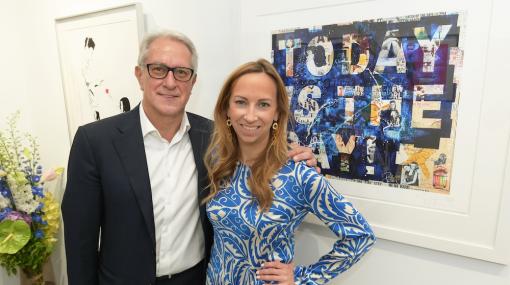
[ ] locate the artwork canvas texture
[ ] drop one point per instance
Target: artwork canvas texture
(376, 100)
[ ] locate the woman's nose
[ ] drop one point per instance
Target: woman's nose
(250, 114)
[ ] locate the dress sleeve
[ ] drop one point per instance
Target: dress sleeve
(355, 237)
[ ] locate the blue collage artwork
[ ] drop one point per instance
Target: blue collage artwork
(376, 100)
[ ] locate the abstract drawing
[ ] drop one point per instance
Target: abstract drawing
(98, 53)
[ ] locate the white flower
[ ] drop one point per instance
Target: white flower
(4, 202)
(22, 196)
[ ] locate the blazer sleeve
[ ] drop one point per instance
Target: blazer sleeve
(355, 237)
(81, 212)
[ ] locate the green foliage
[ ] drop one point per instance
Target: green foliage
(31, 257)
(10, 143)
(13, 235)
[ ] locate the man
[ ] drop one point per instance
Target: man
(131, 207)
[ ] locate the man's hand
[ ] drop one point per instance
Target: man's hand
(279, 273)
(300, 153)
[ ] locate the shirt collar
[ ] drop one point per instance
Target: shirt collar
(148, 127)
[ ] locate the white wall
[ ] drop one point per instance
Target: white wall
(391, 263)
(222, 31)
(15, 72)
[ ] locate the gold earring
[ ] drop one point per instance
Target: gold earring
(229, 124)
(275, 132)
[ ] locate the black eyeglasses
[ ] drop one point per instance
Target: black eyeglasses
(160, 71)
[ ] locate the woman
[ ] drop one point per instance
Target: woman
(258, 197)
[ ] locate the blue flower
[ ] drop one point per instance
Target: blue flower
(36, 178)
(36, 218)
(3, 186)
(38, 234)
(38, 191)
(39, 208)
(4, 212)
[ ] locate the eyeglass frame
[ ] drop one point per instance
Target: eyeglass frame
(147, 66)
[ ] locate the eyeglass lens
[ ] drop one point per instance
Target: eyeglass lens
(160, 71)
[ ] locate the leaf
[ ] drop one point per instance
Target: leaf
(14, 235)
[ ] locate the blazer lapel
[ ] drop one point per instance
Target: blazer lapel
(130, 147)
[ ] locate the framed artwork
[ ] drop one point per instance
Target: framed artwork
(376, 100)
(98, 52)
(395, 111)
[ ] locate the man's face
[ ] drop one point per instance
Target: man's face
(165, 98)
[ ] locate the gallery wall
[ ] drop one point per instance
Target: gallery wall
(226, 34)
(14, 94)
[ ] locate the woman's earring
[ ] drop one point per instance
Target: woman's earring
(275, 131)
(229, 131)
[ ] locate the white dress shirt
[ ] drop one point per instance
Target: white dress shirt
(173, 178)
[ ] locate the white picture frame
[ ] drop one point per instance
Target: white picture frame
(98, 53)
(473, 220)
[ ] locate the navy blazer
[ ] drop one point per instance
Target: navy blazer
(107, 206)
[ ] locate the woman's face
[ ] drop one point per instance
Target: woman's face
(253, 108)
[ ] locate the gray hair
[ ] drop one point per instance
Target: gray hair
(168, 34)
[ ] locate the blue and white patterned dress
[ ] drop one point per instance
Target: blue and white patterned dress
(245, 237)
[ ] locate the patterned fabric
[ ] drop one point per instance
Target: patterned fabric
(244, 237)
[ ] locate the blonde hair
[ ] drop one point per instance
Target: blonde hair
(223, 152)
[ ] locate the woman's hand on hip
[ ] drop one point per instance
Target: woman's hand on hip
(277, 271)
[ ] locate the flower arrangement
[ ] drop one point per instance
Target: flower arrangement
(29, 215)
